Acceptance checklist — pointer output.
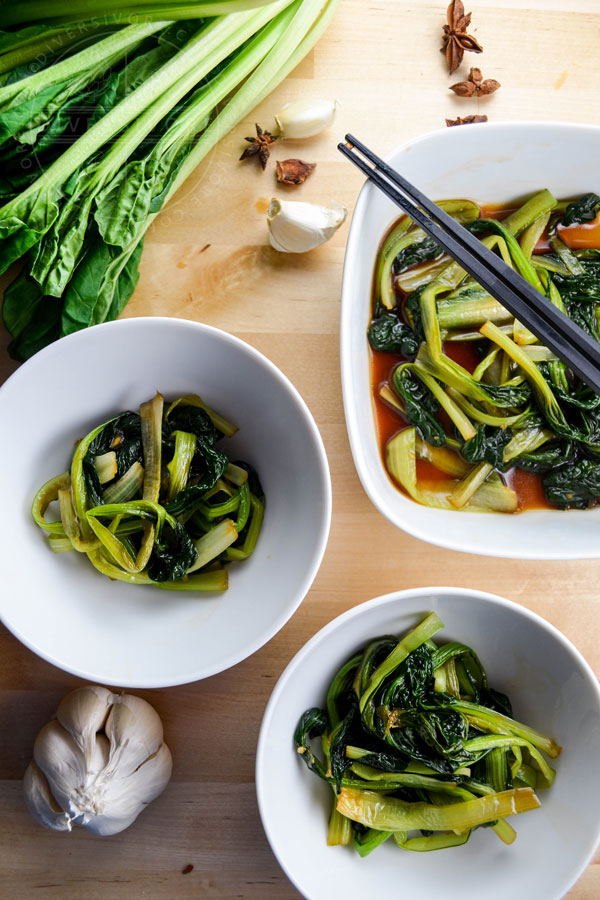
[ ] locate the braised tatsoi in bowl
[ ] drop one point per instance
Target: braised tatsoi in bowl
(417, 746)
(104, 629)
(472, 411)
(553, 693)
(149, 498)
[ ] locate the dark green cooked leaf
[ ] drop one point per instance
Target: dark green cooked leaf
(487, 445)
(388, 334)
(585, 209)
(420, 406)
(574, 486)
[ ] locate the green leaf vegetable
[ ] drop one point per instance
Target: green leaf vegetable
(95, 141)
(150, 499)
(516, 405)
(417, 745)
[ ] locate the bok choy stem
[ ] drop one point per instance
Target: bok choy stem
(62, 11)
(390, 814)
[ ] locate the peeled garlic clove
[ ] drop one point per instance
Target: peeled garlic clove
(305, 118)
(83, 713)
(135, 732)
(40, 802)
(296, 227)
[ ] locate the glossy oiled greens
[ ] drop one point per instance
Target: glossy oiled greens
(414, 739)
(513, 404)
(151, 498)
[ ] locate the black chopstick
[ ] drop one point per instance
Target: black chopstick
(551, 326)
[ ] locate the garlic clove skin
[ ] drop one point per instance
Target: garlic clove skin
(63, 764)
(40, 802)
(305, 118)
(124, 798)
(135, 732)
(83, 713)
(296, 226)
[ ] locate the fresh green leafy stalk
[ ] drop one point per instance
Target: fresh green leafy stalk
(139, 188)
(305, 29)
(135, 186)
(112, 10)
(100, 277)
(26, 219)
(93, 60)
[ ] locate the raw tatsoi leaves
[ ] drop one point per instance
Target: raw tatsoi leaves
(151, 498)
(475, 391)
(48, 10)
(94, 141)
(418, 747)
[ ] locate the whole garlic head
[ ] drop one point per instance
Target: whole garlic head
(295, 226)
(98, 764)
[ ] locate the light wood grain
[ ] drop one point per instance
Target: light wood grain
(381, 60)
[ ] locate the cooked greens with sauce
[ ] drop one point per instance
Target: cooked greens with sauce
(418, 747)
(472, 411)
(151, 499)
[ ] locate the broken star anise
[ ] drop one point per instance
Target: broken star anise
(474, 86)
(467, 120)
(455, 38)
(259, 145)
(293, 171)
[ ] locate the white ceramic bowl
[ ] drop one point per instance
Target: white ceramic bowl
(551, 687)
(136, 636)
(492, 163)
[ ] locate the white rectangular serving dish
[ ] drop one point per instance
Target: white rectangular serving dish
(490, 163)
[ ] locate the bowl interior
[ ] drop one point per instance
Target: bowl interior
(490, 164)
(134, 635)
(551, 688)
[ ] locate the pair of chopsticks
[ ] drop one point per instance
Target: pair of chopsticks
(552, 327)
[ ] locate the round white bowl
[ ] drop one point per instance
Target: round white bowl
(137, 636)
(551, 687)
(491, 163)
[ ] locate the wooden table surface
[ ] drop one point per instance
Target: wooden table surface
(207, 259)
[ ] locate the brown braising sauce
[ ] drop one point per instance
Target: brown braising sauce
(388, 422)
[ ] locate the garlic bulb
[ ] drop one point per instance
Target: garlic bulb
(296, 227)
(98, 764)
(305, 118)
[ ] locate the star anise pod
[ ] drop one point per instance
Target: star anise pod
(467, 120)
(455, 38)
(259, 145)
(474, 86)
(293, 171)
